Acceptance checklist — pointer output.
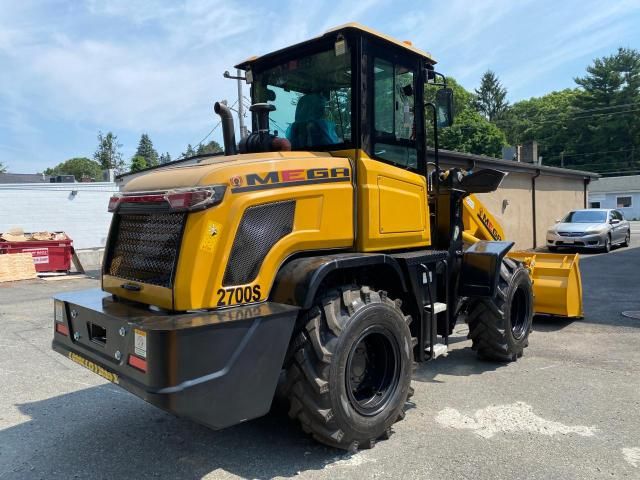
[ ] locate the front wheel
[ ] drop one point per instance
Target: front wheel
(350, 375)
(499, 327)
(607, 245)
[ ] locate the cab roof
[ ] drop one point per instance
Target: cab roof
(246, 64)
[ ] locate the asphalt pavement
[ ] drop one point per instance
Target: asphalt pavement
(570, 408)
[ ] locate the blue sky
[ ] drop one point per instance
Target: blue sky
(71, 68)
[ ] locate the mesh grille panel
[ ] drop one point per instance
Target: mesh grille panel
(260, 228)
(145, 247)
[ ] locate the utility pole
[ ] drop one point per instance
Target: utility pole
(243, 129)
(562, 159)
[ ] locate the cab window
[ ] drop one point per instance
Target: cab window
(393, 113)
(312, 96)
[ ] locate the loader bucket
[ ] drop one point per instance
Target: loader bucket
(557, 285)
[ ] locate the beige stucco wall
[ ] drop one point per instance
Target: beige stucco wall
(512, 205)
(555, 196)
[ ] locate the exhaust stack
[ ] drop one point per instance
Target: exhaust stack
(228, 130)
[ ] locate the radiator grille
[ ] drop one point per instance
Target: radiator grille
(144, 247)
(260, 228)
(571, 234)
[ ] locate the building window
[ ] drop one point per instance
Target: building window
(623, 202)
(594, 204)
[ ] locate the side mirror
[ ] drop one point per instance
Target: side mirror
(444, 107)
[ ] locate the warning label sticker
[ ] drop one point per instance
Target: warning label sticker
(140, 343)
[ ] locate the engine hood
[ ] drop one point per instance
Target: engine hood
(578, 227)
(219, 170)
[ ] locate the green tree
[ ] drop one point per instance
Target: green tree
(138, 162)
(491, 97)
(146, 150)
(606, 126)
(545, 119)
(470, 132)
(211, 147)
(79, 167)
(190, 152)
(3, 169)
(108, 153)
(165, 158)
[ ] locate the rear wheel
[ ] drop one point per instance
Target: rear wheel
(499, 327)
(350, 375)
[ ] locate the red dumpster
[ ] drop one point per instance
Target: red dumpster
(48, 255)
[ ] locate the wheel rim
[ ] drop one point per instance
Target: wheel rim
(373, 371)
(519, 313)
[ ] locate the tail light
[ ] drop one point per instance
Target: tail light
(58, 317)
(137, 362)
(177, 200)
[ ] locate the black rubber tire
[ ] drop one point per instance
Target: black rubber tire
(627, 239)
(607, 245)
(316, 383)
(499, 327)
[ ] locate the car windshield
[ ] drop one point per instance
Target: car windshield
(312, 96)
(586, 216)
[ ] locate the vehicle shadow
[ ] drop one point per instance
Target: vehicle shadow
(550, 323)
(101, 432)
(461, 362)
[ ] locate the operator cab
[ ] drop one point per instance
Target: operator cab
(350, 89)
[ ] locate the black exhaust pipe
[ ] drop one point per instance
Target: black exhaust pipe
(228, 131)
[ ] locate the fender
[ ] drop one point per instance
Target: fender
(480, 268)
(298, 281)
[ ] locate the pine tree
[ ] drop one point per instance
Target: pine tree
(108, 153)
(190, 152)
(211, 147)
(3, 169)
(146, 150)
(491, 96)
(607, 134)
(165, 158)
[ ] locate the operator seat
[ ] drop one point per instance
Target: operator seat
(310, 127)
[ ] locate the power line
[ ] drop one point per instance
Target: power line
(506, 122)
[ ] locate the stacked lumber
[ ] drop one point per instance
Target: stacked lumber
(17, 266)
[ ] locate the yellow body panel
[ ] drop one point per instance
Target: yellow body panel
(557, 284)
(392, 207)
(323, 220)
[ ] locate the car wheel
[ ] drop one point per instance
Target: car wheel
(627, 239)
(607, 245)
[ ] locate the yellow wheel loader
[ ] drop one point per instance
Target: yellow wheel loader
(323, 254)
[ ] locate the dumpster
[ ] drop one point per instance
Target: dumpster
(51, 251)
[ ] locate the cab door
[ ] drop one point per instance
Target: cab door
(392, 191)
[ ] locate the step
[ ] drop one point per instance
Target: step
(439, 350)
(438, 307)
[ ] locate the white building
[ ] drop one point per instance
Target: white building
(621, 193)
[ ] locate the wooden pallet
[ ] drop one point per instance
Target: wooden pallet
(17, 266)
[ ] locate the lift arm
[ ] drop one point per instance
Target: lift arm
(557, 284)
